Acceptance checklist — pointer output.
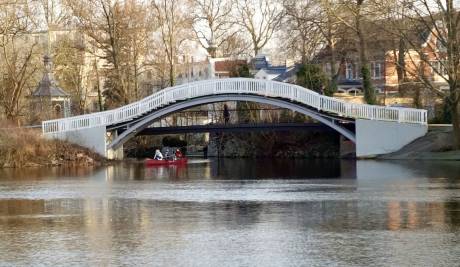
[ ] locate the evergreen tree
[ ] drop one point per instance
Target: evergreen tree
(369, 91)
(312, 77)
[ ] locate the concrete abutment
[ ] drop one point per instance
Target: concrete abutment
(95, 138)
(375, 138)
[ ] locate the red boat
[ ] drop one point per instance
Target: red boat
(165, 162)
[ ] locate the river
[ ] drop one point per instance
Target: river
(233, 213)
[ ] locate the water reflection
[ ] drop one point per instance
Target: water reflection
(236, 169)
(234, 213)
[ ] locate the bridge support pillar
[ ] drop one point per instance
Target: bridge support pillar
(113, 153)
(347, 148)
(382, 137)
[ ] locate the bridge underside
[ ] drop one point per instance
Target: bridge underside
(251, 127)
(132, 128)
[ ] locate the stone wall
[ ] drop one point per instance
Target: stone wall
(275, 144)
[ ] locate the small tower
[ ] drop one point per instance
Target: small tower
(49, 99)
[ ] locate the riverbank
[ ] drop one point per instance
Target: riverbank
(435, 145)
(26, 148)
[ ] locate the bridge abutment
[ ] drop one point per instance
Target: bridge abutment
(95, 138)
(382, 137)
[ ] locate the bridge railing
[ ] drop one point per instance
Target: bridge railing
(236, 86)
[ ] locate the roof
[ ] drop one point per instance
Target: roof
(379, 37)
(292, 71)
(227, 65)
(260, 62)
(274, 71)
(47, 86)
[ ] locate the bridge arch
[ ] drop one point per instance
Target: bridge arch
(142, 123)
(372, 122)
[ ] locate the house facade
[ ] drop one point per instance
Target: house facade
(263, 69)
(383, 61)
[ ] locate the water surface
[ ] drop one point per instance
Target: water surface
(233, 213)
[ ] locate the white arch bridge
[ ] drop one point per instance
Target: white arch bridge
(378, 129)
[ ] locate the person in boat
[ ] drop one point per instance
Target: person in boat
(178, 154)
(158, 155)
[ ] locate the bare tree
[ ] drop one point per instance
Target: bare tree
(17, 57)
(117, 32)
(213, 23)
(69, 70)
(437, 58)
(174, 26)
(353, 14)
(259, 19)
(301, 33)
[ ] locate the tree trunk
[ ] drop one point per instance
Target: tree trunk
(99, 93)
(369, 92)
(400, 66)
(171, 75)
(136, 83)
(332, 60)
(455, 112)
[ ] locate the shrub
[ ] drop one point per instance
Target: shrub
(26, 147)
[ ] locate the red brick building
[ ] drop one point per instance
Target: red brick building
(383, 51)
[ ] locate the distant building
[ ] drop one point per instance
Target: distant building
(270, 73)
(383, 58)
(259, 62)
(190, 71)
(289, 76)
(263, 69)
(48, 99)
(225, 67)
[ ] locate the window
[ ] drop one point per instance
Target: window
(95, 106)
(439, 67)
(350, 71)
(376, 70)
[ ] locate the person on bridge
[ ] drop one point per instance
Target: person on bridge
(158, 155)
(226, 114)
(178, 154)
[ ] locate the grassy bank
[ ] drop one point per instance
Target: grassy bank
(27, 148)
(435, 145)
